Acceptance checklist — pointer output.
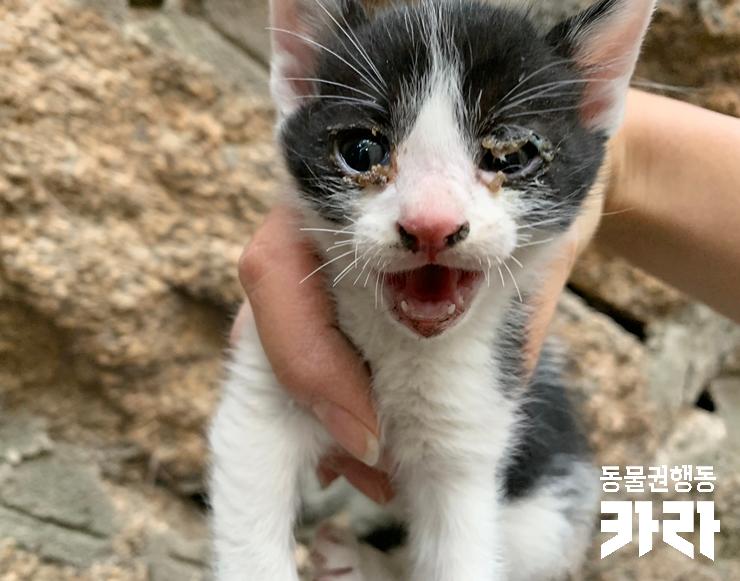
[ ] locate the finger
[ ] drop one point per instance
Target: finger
(325, 474)
(244, 315)
(546, 301)
(295, 320)
(373, 483)
(545, 304)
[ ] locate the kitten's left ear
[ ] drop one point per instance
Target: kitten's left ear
(604, 41)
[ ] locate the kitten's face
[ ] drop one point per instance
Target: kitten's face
(447, 141)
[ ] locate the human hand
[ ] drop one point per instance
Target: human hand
(310, 356)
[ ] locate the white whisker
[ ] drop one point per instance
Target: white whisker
(305, 278)
(542, 111)
(342, 98)
(382, 285)
(542, 69)
(369, 272)
(541, 223)
(377, 282)
(501, 274)
(341, 275)
(516, 286)
(334, 84)
(331, 52)
(339, 245)
(345, 231)
(364, 266)
(536, 242)
(356, 44)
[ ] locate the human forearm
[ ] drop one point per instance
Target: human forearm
(673, 205)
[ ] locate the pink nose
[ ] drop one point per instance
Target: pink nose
(432, 235)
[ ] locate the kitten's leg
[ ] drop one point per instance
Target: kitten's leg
(453, 513)
(549, 530)
(260, 444)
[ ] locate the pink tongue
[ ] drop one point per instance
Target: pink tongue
(431, 283)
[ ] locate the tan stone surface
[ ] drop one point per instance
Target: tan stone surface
(129, 181)
(607, 371)
(694, 45)
(66, 513)
(242, 21)
(631, 292)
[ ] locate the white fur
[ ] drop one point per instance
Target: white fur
(260, 444)
(549, 531)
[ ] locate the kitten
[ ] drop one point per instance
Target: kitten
(440, 151)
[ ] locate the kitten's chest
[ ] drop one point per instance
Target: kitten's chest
(432, 405)
(437, 398)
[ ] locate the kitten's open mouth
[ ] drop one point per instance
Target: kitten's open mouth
(430, 299)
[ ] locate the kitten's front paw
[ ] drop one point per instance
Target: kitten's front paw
(335, 555)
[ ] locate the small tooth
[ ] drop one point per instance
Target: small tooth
(451, 309)
(404, 306)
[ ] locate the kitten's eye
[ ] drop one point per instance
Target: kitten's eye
(517, 163)
(360, 150)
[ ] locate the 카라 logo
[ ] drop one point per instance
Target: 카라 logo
(659, 480)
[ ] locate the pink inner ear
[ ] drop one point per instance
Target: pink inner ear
(608, 72)
(607, 54)
(293, 57)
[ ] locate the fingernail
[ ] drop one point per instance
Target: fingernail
(349, 432)
(325, 476)
(380, 492)
(381, 496)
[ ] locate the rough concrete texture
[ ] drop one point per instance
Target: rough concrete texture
(61, 518)
(629, 293)
(129, 180)
(606, 368)
(135, 161)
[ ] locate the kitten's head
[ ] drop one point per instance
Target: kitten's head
(443, 140)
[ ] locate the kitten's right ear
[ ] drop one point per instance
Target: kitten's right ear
(298, 28)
